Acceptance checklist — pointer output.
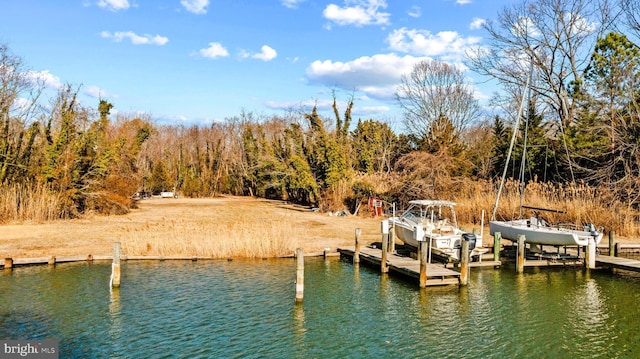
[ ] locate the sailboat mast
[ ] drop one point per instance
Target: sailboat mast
(513, 140)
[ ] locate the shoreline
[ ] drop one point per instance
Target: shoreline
(218, 228)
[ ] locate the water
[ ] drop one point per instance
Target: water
(246, 309)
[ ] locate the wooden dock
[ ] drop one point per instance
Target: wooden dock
(618, 263)
(437, 274)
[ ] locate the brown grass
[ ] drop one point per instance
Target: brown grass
(582, 204)
(218, 228)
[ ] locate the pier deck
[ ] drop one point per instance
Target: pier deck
(437, 274)
(618, 262)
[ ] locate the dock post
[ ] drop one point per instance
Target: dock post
(115, 266)
(299, 275)
(423, 263)
(8, 263)
(617, 250)
(497, 238)
(464, 261)
(520, 257)
(612, 243)
(384, 268)
(590, 254)
(52, 260)
(356, 253)
(392, 241)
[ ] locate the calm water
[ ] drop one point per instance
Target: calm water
(240, 309)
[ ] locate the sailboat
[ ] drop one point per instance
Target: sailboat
(536, 230)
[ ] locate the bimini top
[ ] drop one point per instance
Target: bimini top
(432, 203)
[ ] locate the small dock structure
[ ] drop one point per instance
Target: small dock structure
(437, 273)
(618, 263)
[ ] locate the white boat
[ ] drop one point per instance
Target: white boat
(434, 221)
(538, 231)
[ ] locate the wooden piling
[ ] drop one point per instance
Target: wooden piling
(356, 255)
(617, 251)
(392, 241)
(8, 263)
(464, 262)
(115, 266)
(612, 243)
(52, 260)
(590, 254)
(384, 267)
(497, 238)
(520, 257)
(299, 275)
(423, 263)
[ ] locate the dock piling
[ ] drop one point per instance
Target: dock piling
(612, 243)
(115, 266)
(497, 238)
(590, 254)
(52, 260)
(464, 261)
(520, 257)
(299, 275)
(423, 264)
(8, 263)
(356, 255)
(384, 267)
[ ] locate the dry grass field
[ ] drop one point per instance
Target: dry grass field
(221, 227)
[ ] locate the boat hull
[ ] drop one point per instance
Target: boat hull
(542, 235)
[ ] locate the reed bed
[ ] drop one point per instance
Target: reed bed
(222, 227)
(28, 202)
(241, 237)
(581, 204)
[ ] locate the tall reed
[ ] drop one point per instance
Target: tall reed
(580, 202)
(28, 202)
(220, 235)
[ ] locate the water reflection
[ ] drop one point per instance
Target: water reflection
(247, 309)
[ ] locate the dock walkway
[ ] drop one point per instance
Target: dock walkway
(437, 274)
(618, 262)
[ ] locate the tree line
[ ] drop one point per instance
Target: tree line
(572, 64)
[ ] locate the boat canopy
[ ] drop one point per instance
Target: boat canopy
(432, 203)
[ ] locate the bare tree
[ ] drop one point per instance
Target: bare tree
(557, 36)
(434, 91)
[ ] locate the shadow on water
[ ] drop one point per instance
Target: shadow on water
(246, 308)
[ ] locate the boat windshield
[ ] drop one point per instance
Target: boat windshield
(442, 214)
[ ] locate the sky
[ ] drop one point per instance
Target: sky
(194, 62)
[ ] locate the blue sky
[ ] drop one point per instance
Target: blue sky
(199, 61)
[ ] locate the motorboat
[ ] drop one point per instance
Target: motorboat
(434, 221)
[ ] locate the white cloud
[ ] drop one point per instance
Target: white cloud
(114, 5)
(214, 50)
(195, 6)
(97, 92)
(463, 2)
(135, 39)
(445, 44)
(45, 77)
(477, 23)
(291, 4)
(370, 110)
(267, 54)
(376, 76)
(363, 12)
(415, 11)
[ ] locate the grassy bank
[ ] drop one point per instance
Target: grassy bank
(217, 228)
